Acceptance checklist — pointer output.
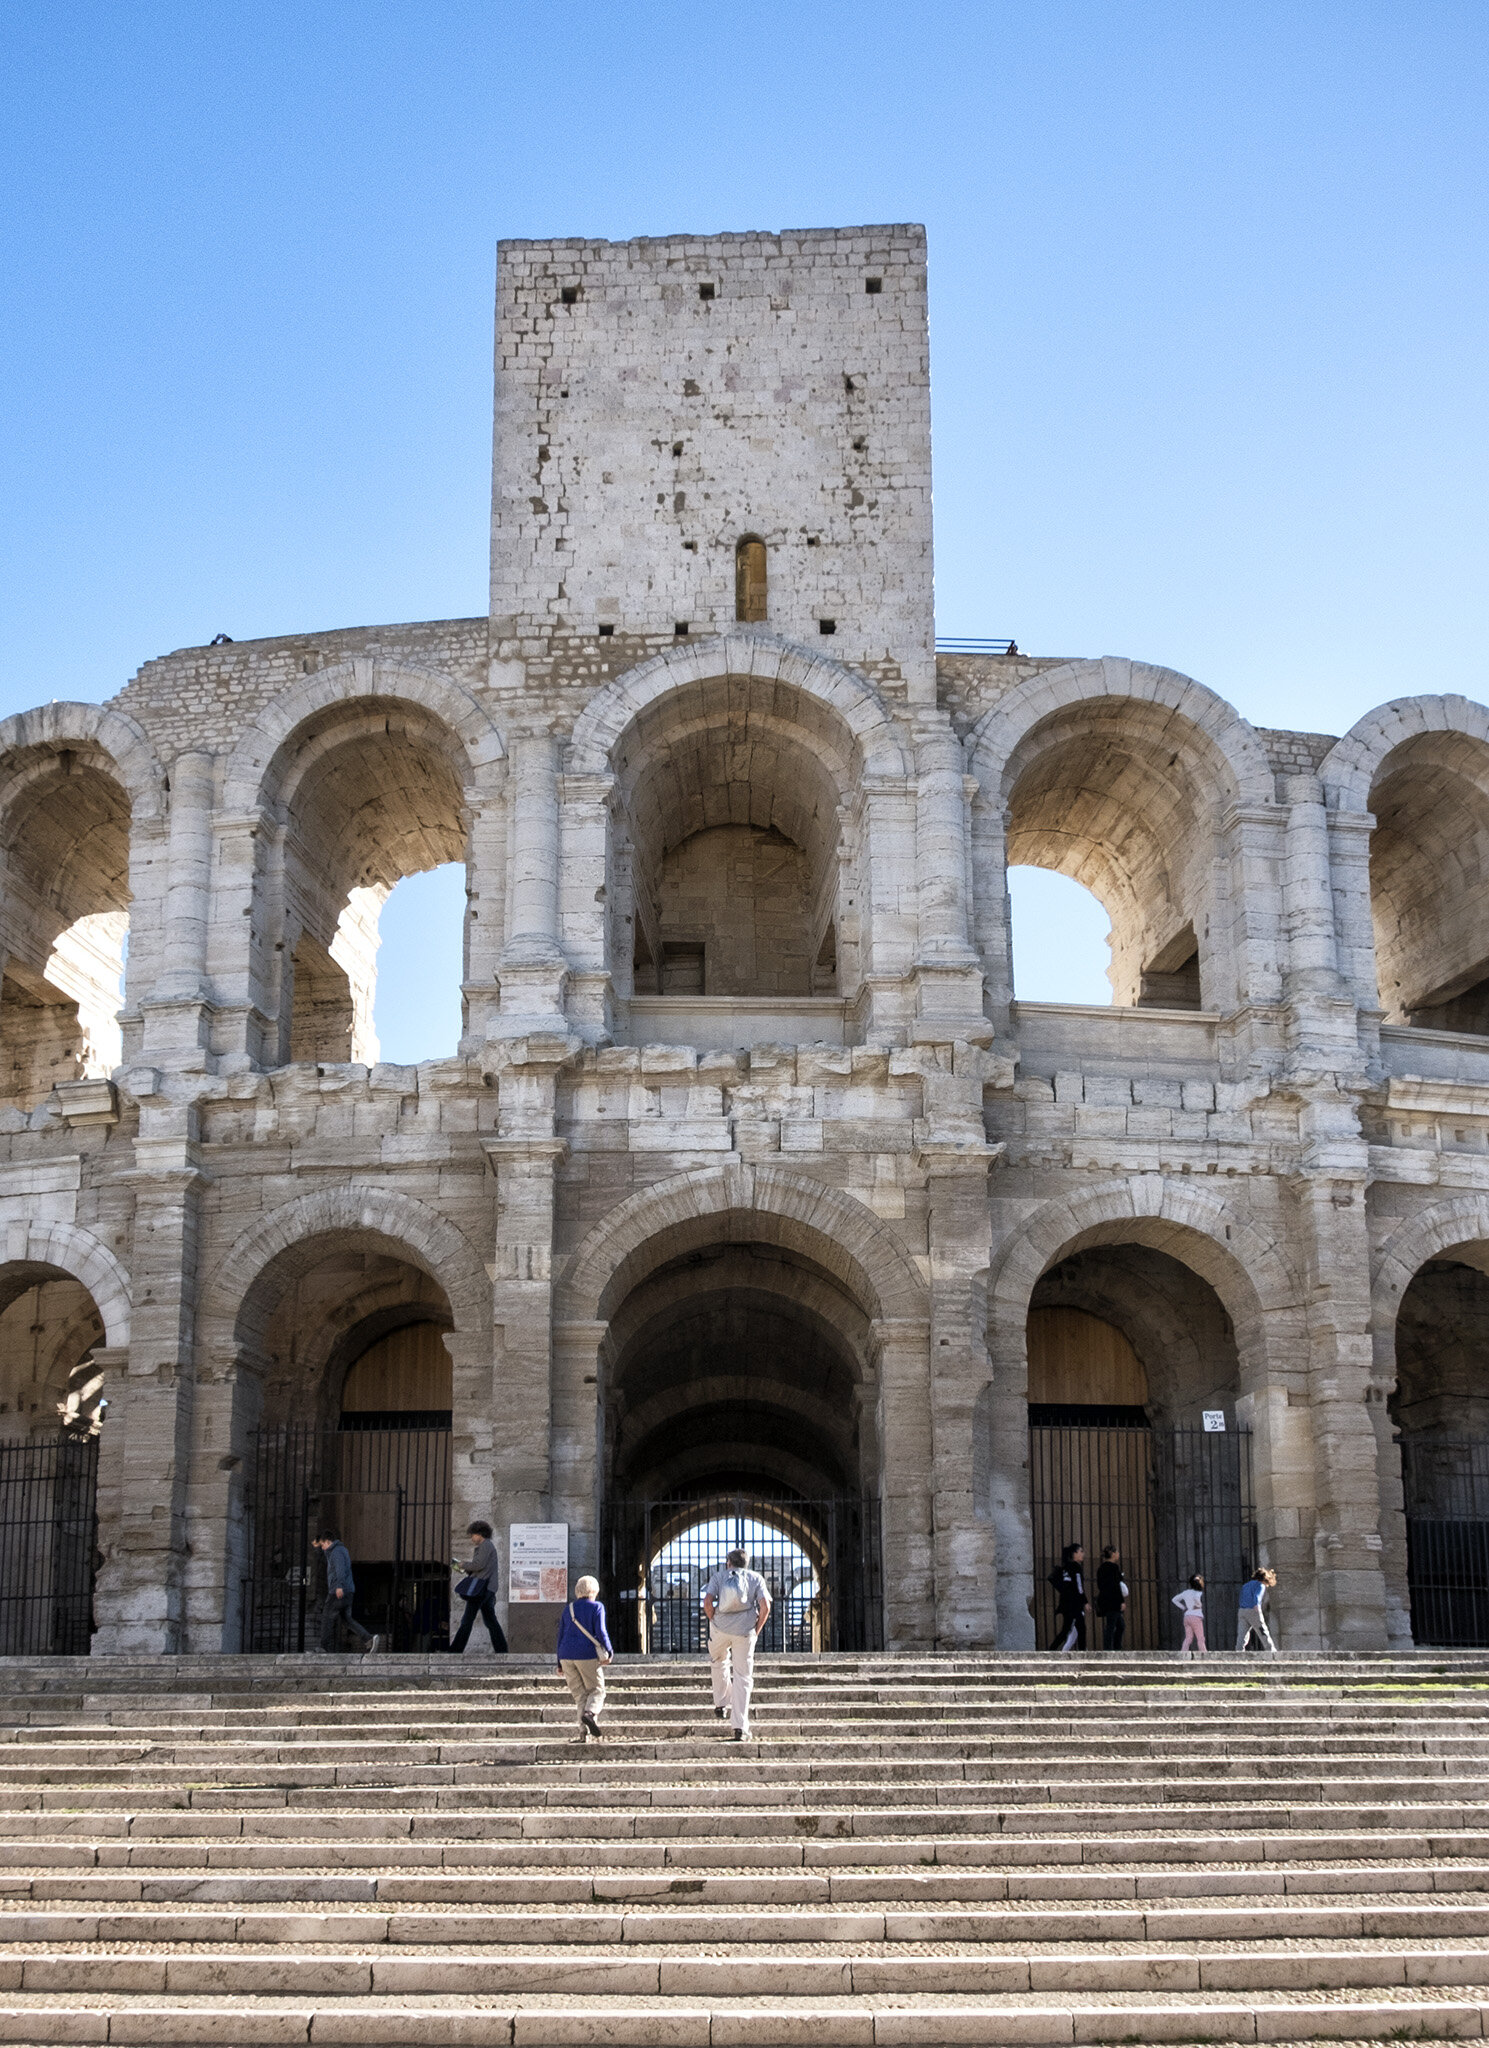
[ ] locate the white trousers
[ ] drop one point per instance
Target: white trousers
(732, 1667)
(1247, 1619)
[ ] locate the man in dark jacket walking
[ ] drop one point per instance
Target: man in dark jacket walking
(341, 1590)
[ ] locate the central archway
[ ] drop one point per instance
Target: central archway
(739, 1316)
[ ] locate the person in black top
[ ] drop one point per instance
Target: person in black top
(1068, 1580)
(1111, 1598)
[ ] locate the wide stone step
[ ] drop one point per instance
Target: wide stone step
(697, 2020)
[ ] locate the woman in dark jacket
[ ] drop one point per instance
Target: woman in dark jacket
(482, 1567)
(1068, 1580)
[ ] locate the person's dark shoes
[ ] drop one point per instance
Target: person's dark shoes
(740, 1735)
(374, 1644)
(593, 1726)
(721, 1713)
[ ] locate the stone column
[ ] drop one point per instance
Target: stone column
(533, 969)
(176, 1008)
(525, 1154)
(905, 1448)
(576, 1438)
(243, 970)
(485, 911)
(228, 1407)
(584, 900)
(949, 998)
(140, 1599)
(965, 1553)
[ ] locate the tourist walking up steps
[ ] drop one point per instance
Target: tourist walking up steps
(738, 1607)
(1250, 1621)
(341, 1590)
(583, 1652)
(1191, 1604)
(478, 1590)
(1068, 1580)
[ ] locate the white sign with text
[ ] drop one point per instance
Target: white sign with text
(538, 1562)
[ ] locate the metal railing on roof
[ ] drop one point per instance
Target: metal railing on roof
(947, 645)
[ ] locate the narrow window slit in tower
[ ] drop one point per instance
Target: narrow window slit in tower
(751, 573)
(873, 284)
(680, 630)
(705, 291)
(827, 625)
(570, 294)
(607, 631)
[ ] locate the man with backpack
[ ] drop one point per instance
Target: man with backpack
(738, 1607)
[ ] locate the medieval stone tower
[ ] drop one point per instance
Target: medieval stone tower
(751, 1180)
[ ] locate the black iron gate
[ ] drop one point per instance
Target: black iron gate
(821, 1560)
(48, 1534)
(388, 1493)
(1173, 1501)
(1446, 1486)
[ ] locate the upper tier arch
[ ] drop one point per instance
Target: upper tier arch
(757, 655)
(351, 682)
(94, 726)
(1353, 764)
(994, 739)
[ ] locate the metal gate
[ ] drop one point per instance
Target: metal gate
(820, 1559)
(1174, 1501)
(48, 1536)
(388, 1493)
(1446, 1486)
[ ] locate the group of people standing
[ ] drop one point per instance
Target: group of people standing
(1073, 1604)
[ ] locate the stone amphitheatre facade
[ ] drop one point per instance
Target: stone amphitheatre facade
(749, 1174)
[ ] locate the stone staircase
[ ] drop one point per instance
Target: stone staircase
(915, 1850)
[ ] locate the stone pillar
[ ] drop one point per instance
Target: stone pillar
(965, 1554)
(576, 1438)
(176, 1008)
(140, 1597)
(243, 970)
(584, 901)
(485, 913)
(1350, 1580)
(525, 1154)
(905, 1447)
(228, 1407)
(533, 969)
(949, 997)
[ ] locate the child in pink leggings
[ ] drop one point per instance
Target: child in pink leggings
(1191, 1604)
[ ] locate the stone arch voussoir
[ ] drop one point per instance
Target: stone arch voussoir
(406, 1226)
(93, 725)
(84, 1258)
(1352, 766)
(1246, 1267)
(1462, 1219)
(352, 682)
(856, 702)
(998, 733)
(833, 1227)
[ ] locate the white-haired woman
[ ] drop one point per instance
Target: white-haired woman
(583, 1652)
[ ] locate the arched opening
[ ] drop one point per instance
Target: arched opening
(738, 1378)
(729, 869)
(1133, 1436)
(751, 593)
(370, 795)
(1125, 799)
(1429, 883)
(784, 1544)
(52, 1408)
(353, 1433)
(1061, 939)
(65, 921)
(1440, 1408)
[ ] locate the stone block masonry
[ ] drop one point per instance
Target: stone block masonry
(750, 1175)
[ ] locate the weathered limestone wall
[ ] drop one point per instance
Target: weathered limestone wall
(786, 1228)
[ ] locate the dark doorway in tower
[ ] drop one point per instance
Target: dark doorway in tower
(738, 1415)
(1133, 1439)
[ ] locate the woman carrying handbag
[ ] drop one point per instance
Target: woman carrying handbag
(478, 1590)
(583, 1652)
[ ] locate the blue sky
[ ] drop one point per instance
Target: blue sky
(1208, 306)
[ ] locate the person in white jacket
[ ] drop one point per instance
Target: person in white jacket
(1191, 1604)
